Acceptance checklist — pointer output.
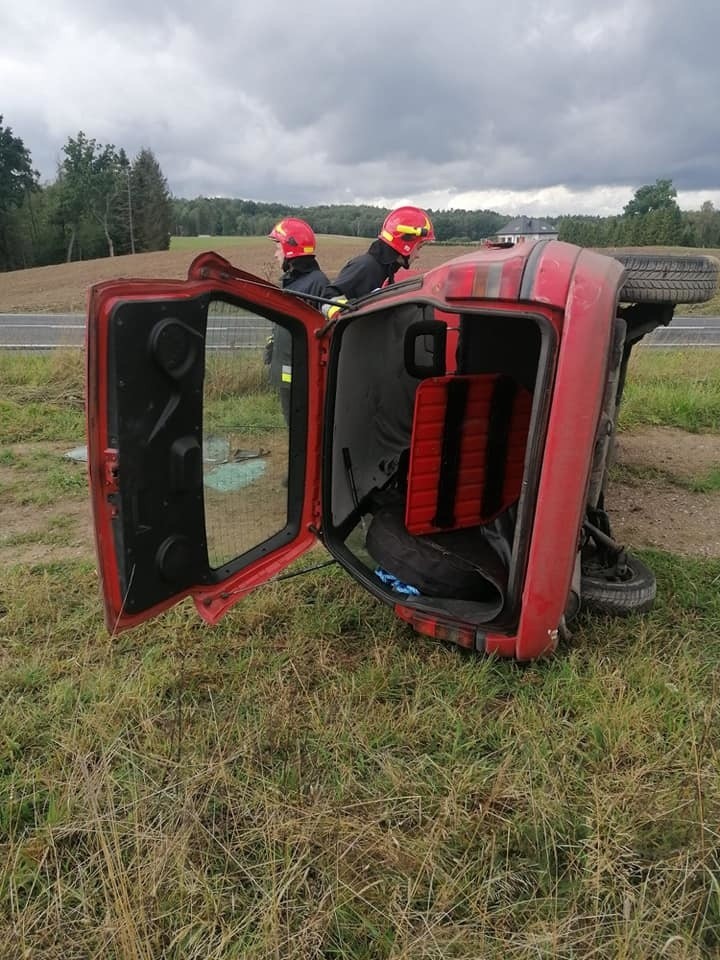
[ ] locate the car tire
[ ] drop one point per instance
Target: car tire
(620, 598)
(661, 278)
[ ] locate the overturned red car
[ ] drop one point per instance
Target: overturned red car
(448, 439)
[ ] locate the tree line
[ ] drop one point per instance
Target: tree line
(100, 204)
(220, 216)
(651, 218)
(104, 204)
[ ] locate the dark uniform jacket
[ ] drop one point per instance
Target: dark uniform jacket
(366, 272)
(303, 275)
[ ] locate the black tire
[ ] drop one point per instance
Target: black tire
(660, 278)
(620, 598)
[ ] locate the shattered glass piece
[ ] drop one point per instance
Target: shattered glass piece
(78, 454)
(216, 450)
(233, 476)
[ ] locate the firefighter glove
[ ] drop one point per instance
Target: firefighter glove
(331, 310)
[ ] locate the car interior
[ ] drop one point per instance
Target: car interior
(432, 455)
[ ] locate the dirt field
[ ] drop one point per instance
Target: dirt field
(61, 288)
(653, 511)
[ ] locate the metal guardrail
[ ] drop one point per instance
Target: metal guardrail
(229, 329)
(226, 331)
(686, 332)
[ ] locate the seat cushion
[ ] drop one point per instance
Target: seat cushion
(467, 452)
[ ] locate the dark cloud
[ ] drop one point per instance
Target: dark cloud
(330, 102)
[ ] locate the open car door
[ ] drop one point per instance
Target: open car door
(203, 460)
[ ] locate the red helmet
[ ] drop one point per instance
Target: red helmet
(295, 237)
(406, 228)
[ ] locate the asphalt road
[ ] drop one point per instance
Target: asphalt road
(46, 331)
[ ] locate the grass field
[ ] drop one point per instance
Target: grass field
(679, 388)
(310, 779)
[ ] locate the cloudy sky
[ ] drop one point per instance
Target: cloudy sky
(521, 106)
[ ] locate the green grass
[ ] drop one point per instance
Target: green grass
(42, 396)
(310, 779)
(251, 415)
(44, 477)
(239, 398)
(53, 533)
(710, 308)
(678, 388)
(39, 421)
(638, 475)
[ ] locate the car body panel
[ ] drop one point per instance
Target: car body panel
(110, 474)
(577, 291)
(570, 293)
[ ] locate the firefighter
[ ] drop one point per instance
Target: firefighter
(401, 236)
(301, 273)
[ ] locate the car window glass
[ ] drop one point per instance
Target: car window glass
(246, 402)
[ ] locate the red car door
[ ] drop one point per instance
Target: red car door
(201, 485)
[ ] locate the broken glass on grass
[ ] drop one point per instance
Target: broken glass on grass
(232, 470)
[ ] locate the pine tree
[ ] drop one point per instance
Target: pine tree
(149, 204)
(17, 181)
(123, 228)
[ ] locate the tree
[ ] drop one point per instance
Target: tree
(657, 196)
(91, 176)
(150, 201)
(17, 181)
(705, 225)
(45, 226)
(122, 226)
(16, 173)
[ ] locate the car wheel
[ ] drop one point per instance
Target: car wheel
(619, 598)
(660, 278)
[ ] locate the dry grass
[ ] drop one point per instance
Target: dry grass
(310, 780)
(229, 375)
